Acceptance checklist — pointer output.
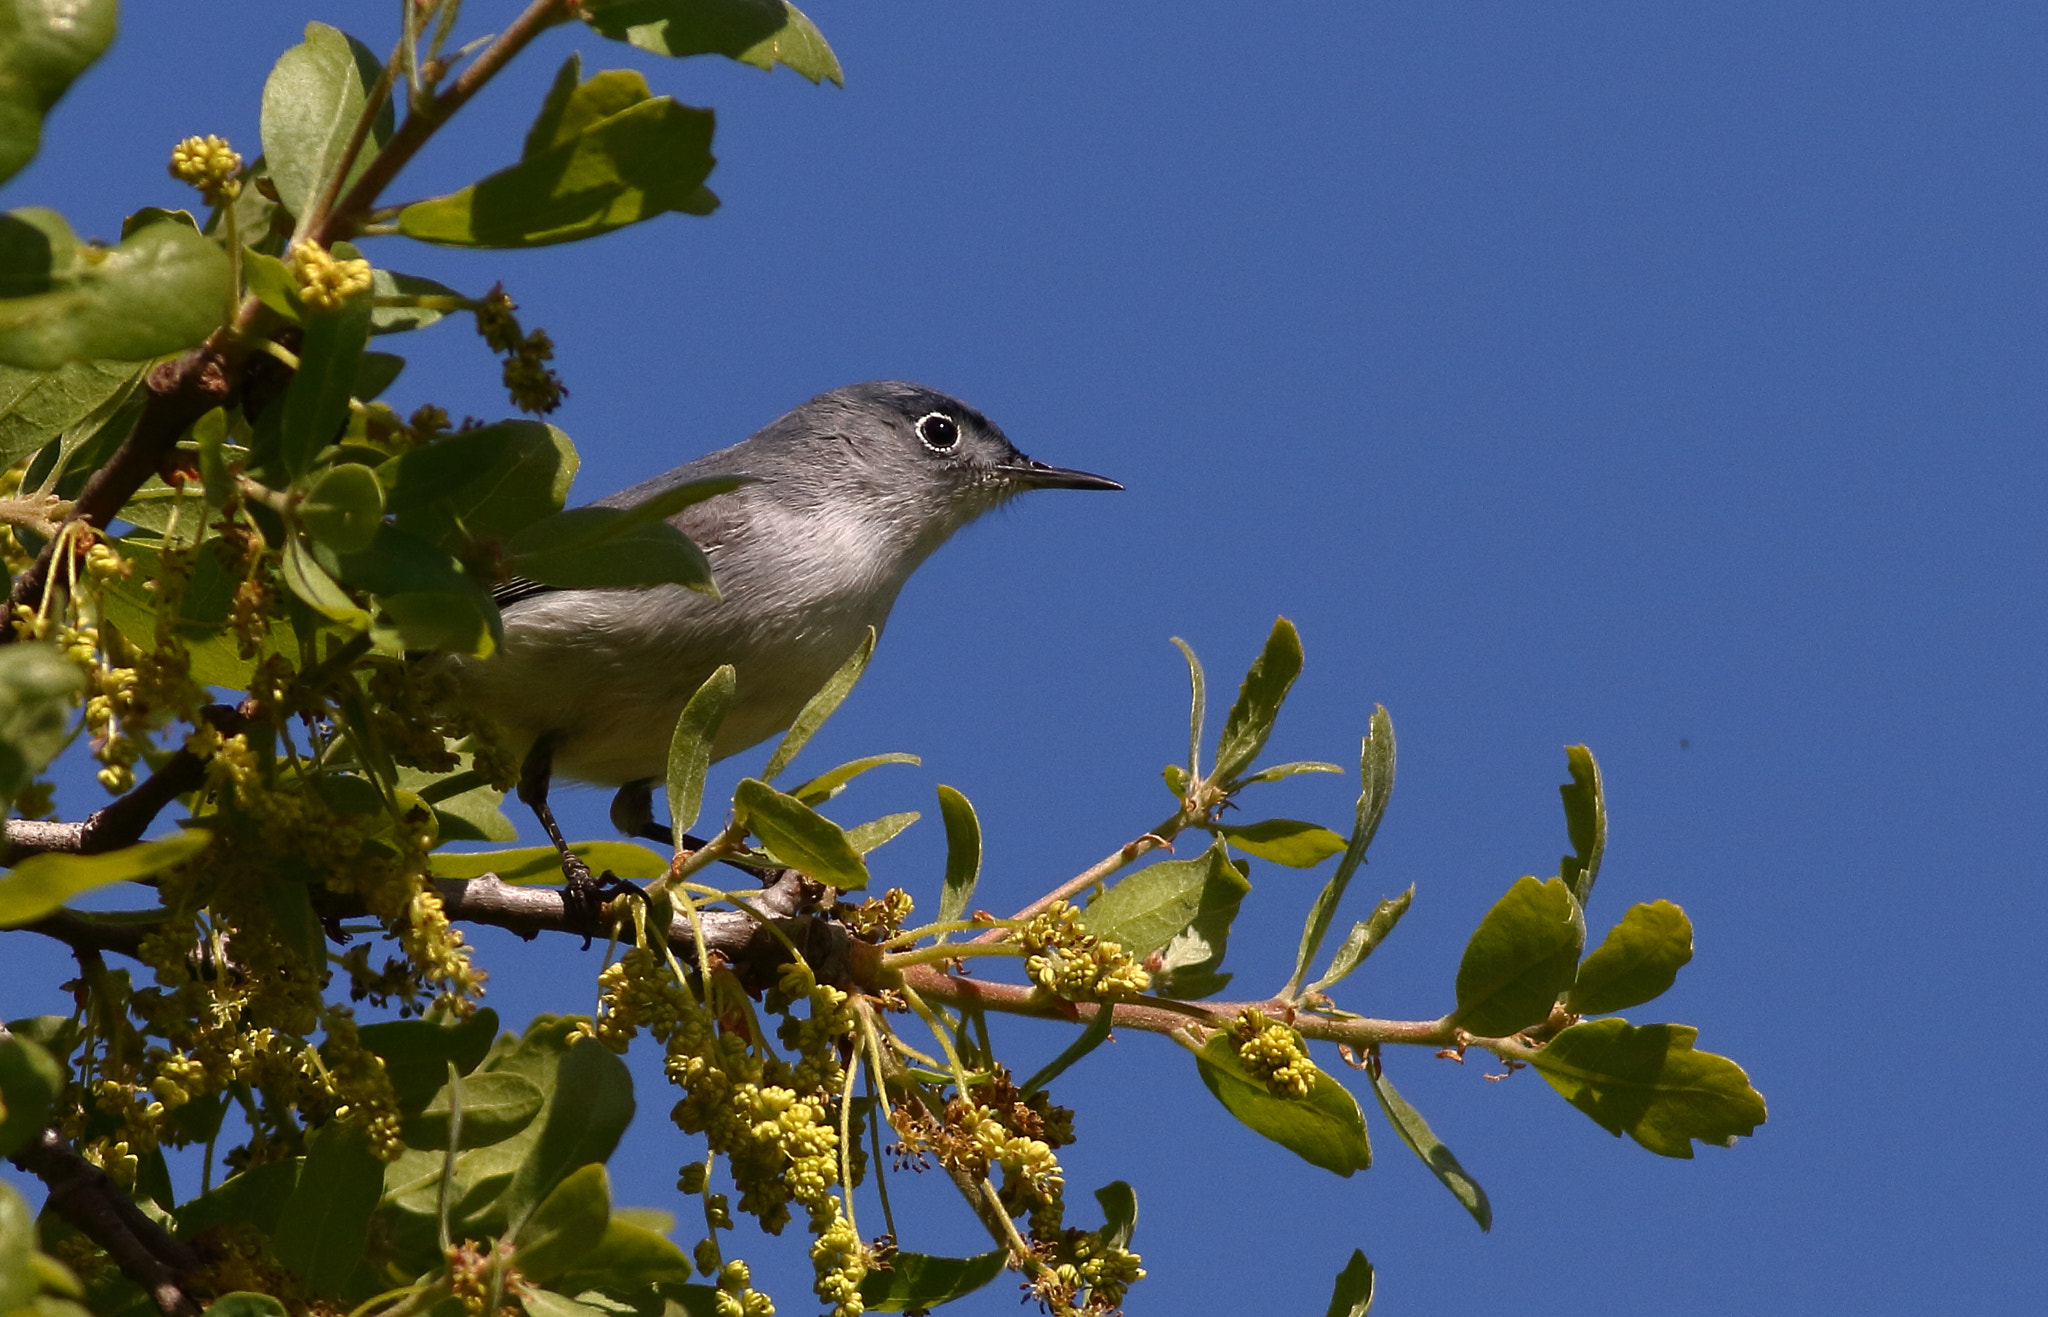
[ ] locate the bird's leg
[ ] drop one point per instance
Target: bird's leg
(633, 815)
(583, 896)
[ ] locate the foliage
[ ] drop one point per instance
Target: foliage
(207, 494)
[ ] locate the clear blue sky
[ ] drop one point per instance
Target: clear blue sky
(1667, 378)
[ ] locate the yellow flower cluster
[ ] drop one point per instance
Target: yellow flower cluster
(737, 1296)
(209, 164)
(324, 281)
(470, 1265)
(878, 917)
(1273, 1052)
(1065, 959)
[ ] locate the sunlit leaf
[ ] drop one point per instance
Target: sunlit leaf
(1585, 817)
(1258, 702)
(1198, 705)
(44, 44)
(1522, 955)
(1352, 1296)
(495, 1106)
(689, 748)
(832, 781)
(540, 864)
(799, 836)
(763, 33)
(1290, 842)
(963, 855)
(1375, 785)
(567, 1224)
(343, 508)
(1650, 1084)
(865, 837)
(1637, 961)
(36, 406)
(162, 290)
(1325, 1129)
(820, 706)
(311, 102)
(1364, 937)
(1143, 911)
(1423, 1142)
(42, 883)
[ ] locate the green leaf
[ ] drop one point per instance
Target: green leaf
(1352, 1296)
(820, 707)
(38, 689)
(1290, 842)
(422, 591)
(399, 319)
(376, 372)
(1324, 1129)
(1649, 1083)
(274, 285)
(628, 1256)
(1585, 818)
(343, 508)
(963, 855)
(1375, 785)
(245, 1303)
(44, 44)
(868, 836)
(830, 783)
(29, 1082)
(763, 33)
(417, 1053)
(1091, 1038)
(1365, 935)
(42, 883)
(162, 290)
(1424, 1143)
(1197, 706)
(491, 482)
(1278, 771)
(540, 864)
(1258, 703)
(310, 582)
(596, 174)
(568, 1223)
(689, 749)
(464, 805)
(1637, 961)
(1119, 1213)
(1522, 955)
(640, 557)
(589, 1109)
(311, 102)
(37, 406)
(256, 1197)
(1144, 911)
(210, 433)
(1188, 964)
(495, 1106)
(326, 1221)
(316, 404)
(917, 1281)
(799, 836)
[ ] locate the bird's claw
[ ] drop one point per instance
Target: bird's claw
(584, 897)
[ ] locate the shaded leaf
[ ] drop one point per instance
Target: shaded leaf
(1375, 785)
(1091, 1038)
(831, 782)
(38, 689)
(915, 1281)
(1290, 842)
(1119, 1213)
(1649, 1083)
(636, 558)
(799, 836)
(422, 592)
(310, 583)
(1324, 1129)
(1145, 910)
(820, 707)
(963, 855)
(1258, 702)
(326, 1221)
(1424, 1143)
(763, 33)
(589, 1108)
(29, 1082)
(42, 883)
(491, 482)
(316, 404)
(36, 406)
(689, 749)
(1352, 1295)
(1585, 818)
(1189, 964)
(540, 864)
(417, 1053)
(311, 102)
(44, 44)
(256, 1197)
(1522, 955)
(245, 1303)
(568, 1223)
(1637, 961)
(398, 319)
(343, 508)
(162, 290)
(1365, 935)
(629, 1255)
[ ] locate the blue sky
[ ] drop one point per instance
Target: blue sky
(1664, 378)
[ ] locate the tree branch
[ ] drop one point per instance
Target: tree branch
(82, 1194)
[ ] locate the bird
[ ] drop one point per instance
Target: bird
(844, 498)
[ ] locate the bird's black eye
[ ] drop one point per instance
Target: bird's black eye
(940, 432)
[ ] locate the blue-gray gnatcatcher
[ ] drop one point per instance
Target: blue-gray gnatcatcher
(850, 493)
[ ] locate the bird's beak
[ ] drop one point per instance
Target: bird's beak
(1037, 475)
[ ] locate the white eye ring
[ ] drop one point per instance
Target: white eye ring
(940, 432)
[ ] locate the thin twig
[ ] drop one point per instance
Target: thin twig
(82, 1194)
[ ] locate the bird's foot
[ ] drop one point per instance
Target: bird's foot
(584, 897)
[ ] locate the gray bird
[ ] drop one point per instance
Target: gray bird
(850, 493)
